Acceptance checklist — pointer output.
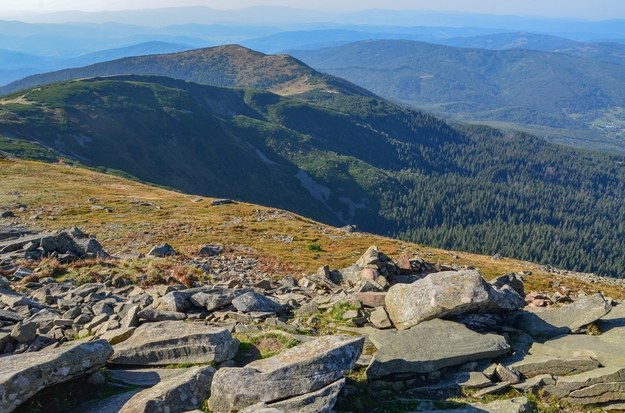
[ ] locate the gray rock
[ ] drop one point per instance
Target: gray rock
(590, 378)
(111, 404)
(496, 388)
(23, 375)
(513, 281)
(210, 250)
(141, 377)
(320, 401)
(254, 302)
(172, 342)
(187, 390)
(213, 299)
(118, 335)
(64, 242)
(443, 294)
(162, 250)
(534, 384)
(300, 370)
(554, 322)
(429, 347)
(152, 315)
(534, 365)
(132, 317)
(96, 322)
(606, 348)
(176, 301)
(598, 393)
(380, 319)
(10, 316)
(24, 332)
(508, 374)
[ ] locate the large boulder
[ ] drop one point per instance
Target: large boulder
(185, 391)
(23, 375)
(431, 346)
(295, 372)
(444, 294)
(554, 322)
(173, 342)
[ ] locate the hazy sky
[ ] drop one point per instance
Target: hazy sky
(586, 9)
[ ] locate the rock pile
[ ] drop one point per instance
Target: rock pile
(429, 334)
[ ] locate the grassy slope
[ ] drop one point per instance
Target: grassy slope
(60, 193)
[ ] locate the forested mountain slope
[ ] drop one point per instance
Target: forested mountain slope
(340, 159)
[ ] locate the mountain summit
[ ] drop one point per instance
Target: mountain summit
(224, 66)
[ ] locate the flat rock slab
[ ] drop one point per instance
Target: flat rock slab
(297, 371)
(554, 322)
(598, 393)
(515, 405)
(320, 401)
(601, 375)
(23, 375)
(431, 346)
(141, 377)
(111, 404)
(532, 366)
(175, 342)
(184, 391)
(606, 348)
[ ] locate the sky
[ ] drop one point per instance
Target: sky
(582, 9)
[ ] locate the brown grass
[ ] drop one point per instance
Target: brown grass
(60, 195)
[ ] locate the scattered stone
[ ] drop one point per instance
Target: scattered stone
(380, 319)
(24, 332)
(118, 335)
(152, 315)
(10, 316)
(170, 342)
(217, 202)
(298, 371)
(23, 375)
(254, 302)
(429, 347)
(162, 250)
(497, 388)
(213, 299)
(176, 301)
(507, 374)
(210, 250)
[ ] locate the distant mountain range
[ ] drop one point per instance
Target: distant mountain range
(334, 152)
(568, 99)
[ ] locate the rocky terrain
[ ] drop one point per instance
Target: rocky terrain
(409, 334)
(162, 301)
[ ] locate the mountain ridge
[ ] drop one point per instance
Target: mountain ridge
(226, 66)
(340, 159)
